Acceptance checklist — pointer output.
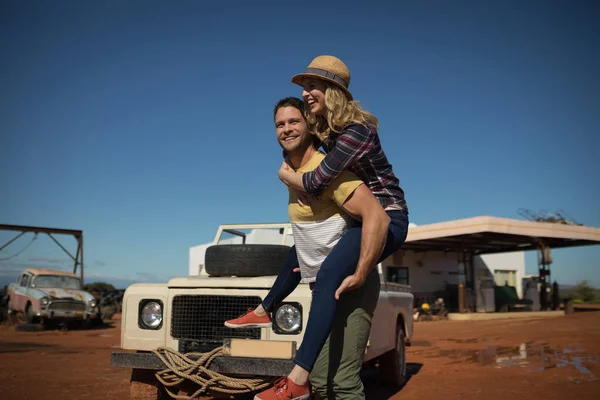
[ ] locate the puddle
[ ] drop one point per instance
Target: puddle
(535, 357)
(473, 340)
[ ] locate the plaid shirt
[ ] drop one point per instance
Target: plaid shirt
(357, 149)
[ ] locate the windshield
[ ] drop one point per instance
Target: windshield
(56, 281)
(251, 235)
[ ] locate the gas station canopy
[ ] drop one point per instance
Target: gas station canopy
(486, 235)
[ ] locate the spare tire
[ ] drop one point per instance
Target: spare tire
(245, 260)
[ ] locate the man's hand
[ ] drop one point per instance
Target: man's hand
(303, 199)
(349, 284)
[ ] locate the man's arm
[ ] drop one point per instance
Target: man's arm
(362, 205)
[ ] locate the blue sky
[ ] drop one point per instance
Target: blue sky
(147, 124)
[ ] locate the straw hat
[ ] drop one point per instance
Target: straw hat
(327, 68)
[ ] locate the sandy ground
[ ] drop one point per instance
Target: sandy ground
(553, 358)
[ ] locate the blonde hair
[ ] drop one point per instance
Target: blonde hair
(340, 112)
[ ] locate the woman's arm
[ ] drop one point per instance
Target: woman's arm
(352, 144)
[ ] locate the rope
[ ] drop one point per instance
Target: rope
(18, 253)
(181, 367)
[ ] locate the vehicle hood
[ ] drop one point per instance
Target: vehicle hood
(64, 294)
(201, 281)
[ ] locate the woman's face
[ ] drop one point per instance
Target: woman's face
(314, 95)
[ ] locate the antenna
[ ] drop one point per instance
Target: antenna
(559, 217)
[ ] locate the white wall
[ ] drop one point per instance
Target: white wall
(432, 271)
(489, 263)
(196, 260)
(428, 271)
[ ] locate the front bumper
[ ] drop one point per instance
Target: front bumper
(62, 314)
(227, 365)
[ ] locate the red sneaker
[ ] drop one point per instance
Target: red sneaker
(250, 320)
(284, 389)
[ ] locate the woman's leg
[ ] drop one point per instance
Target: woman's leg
(287, 280)
(339, 264)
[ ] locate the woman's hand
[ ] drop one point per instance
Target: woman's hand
(285, 174)
(284, 170)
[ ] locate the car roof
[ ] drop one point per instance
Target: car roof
(43, 271)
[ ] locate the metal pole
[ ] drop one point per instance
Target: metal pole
(473, 296)
(461, 298)
(15, 238)
(61, 246)
(81, 244)
(77, 256)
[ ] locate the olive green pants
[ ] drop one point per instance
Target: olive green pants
(336, 373)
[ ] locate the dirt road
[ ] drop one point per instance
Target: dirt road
(546, 359)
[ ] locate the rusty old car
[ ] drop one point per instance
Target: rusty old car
(45, 295)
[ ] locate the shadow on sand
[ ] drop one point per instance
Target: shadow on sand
(374, 390)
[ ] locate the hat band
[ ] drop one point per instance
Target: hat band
(327, 74)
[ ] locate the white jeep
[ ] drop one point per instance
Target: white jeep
(187, 314)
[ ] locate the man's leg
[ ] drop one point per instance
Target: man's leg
(336, 373)
(320, 373)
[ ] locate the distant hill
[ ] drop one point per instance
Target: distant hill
(565, 291)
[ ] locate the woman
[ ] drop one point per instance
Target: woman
(349, 134)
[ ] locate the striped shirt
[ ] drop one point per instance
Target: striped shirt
(317, 228)
(359, 150)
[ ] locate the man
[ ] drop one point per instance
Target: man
(316, 229)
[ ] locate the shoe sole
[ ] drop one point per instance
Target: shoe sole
(303, 397)
(263, 325)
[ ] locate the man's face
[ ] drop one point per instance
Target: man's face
(291, 129)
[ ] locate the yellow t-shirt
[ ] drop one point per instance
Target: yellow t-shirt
(317, 228)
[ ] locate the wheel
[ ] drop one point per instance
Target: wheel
(144, 386)
(392, 365)
(30, 316)
(4, 309)
(245, 260)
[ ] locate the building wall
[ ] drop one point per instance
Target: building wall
(431, 271)
(494, 263)
(196, 260)
(428, 271)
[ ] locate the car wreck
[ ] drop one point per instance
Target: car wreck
(47, 296)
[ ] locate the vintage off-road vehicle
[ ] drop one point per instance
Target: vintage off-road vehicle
(45, 295)
(187, 314)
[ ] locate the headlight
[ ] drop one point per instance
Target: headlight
(92, 303)
(151, 314)
(44, 301)
(288, 318)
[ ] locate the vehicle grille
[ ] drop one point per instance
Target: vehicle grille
(197, 320)
(66, 305)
